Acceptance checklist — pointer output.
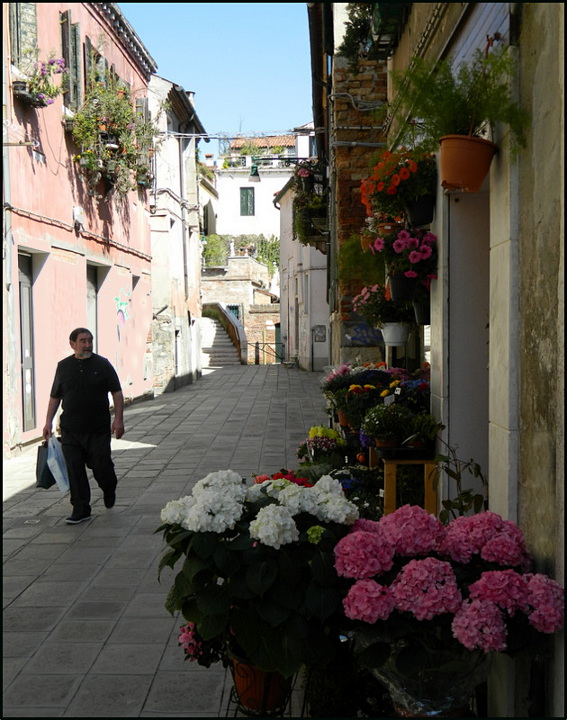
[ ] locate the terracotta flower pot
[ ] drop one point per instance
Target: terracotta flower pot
(464, 161)
(258, 691)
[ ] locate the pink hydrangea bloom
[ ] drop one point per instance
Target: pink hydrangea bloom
(547, 599)
(363, 554)
(412, 530)
(368, 601)
(467, 536)
(504, 588)
(507, 547)
(426, 588)
(367, 525)
(481, 625)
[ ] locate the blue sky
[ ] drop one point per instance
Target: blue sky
(247, 63)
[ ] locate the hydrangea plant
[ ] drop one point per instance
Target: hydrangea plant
(257, 568)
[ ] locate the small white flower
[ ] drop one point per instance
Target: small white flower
(274, 526)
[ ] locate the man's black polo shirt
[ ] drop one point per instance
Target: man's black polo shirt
(83, 386)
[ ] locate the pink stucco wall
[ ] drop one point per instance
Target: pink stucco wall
(43, 186)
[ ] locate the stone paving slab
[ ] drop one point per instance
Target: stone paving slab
(86, 633)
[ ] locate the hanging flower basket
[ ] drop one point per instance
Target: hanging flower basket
(402, 288)
(395, 334)
(420, 211)
(422, 311)
(464, 162)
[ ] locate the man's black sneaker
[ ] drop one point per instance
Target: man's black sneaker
(76, 519)
(109, 499)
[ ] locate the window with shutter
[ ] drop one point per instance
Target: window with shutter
(71, 52)
(246, 201)
(23, 30)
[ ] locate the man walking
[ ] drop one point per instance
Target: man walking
(82, 382)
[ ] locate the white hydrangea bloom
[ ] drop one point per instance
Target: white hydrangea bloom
(254, 492)
(333, 508)
(274, 526)
(274, 487)
(213, 512)
(293, 498)
(176, 510)
(224, 482)
(327, 484)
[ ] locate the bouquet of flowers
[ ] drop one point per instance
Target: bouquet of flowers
(257, 569)
(424, 596)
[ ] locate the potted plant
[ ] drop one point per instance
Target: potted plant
(423, 430)
(322, 445)
(109, 128)
(394, 319)
(310, 219)
(39, 89)
(453, 108)
(403, 181)
(256, 574)
(387, 424)
(428, 604)
(410, 256)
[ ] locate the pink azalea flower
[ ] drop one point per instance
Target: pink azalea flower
(425, 251)
(399, 246)
(415, 257)
(378, 244)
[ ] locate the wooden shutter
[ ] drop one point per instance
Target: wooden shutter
(71, 50)
(23, 30)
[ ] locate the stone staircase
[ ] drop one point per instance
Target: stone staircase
(217, 348)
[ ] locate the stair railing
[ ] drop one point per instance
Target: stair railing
(235, 329)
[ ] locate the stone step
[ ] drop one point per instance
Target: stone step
(217, 349)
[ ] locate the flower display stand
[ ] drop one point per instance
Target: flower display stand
(429, 480)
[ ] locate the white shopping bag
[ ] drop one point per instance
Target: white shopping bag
(56, 463)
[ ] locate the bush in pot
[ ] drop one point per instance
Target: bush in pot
(442, 101)
(387, 423)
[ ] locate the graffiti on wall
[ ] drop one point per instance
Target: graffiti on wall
(122, 303)
(361, 333)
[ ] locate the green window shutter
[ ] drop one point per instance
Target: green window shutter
(23, 30)
(247, 201)
(71, 51)
(75, 70)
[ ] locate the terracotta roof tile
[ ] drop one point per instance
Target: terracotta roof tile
(264, 142)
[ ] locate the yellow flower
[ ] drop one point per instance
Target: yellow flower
(394, 383)
(384, 393)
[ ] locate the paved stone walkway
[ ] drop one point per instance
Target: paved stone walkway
(86, 633)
